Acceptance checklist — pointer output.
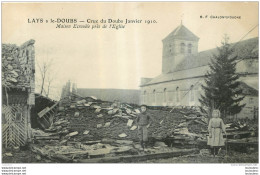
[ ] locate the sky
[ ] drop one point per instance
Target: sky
(110, 58)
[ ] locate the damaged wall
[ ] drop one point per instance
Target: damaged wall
(18, 83)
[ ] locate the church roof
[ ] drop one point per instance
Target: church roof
(199, 64)
(123, 95)
(181, 32)
(179, 75)
(247, 90)
(244, 49)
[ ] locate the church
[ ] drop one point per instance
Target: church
(184, 69)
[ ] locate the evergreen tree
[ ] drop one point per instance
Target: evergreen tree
(222, 88)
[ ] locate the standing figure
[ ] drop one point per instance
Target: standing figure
(143, 121)
(215, 128)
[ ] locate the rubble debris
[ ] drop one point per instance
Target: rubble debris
(130, 122)
(38, 132)
(127, 142)
(81, 101)
(108, 140)
(122, 135)
(111, 122)
(159, 144)
(133, 128)
(137, 158)
(9, 154)
(61, 108)
(107, 124)
(72, 134)
(92, 142)
(46, 116)
(16, 148)
(46, 138)
(86, 132)
(113, 130)
(76, 114)
(38, 157)
(100, 115)
(98, 109)
(93, 97)
(205, 152)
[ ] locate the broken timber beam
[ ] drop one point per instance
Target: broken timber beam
(47, 115)
(137, 158)
(46, 137)
(51, 156)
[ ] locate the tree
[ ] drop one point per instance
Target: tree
(46, 77)
(221, 89)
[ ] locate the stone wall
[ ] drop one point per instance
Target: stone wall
(18, 67)
(189, 91)
(173, 93)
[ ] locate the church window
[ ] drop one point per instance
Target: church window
(154, 96)
(164, 95)
(189, 48)
(251, 100)
(191, 93)
(144, 98)
(182, 47)
(177, 94)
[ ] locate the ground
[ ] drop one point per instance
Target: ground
(26, 156)
(233, 158)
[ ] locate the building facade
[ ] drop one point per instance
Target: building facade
(184, 69)
(130, 96)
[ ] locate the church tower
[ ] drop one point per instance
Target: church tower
(177, 45)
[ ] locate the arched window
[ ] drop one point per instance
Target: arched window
(164, 95)
(182, 47)
(192, 93)
(177, 94)
(154, 96)
(189, 48)
(251, 100)
(144, 98)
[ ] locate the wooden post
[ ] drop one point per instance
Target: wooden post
(6, 94)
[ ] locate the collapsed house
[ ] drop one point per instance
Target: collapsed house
(18, 85)
(42, 104)
(87, 129)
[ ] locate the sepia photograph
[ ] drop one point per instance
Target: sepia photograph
(130, 82)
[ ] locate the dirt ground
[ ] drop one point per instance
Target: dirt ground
(232, 158)
(26, 156)
(19, 157)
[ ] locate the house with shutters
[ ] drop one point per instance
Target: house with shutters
(184, 69)
(18, 85)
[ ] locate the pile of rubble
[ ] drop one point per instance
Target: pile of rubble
(89, 119)
(86, 128)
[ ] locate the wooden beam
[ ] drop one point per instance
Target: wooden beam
(137, 158)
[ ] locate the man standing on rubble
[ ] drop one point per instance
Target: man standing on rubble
(143, 121)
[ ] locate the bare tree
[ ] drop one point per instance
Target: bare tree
(47, 76)
(50, 79)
